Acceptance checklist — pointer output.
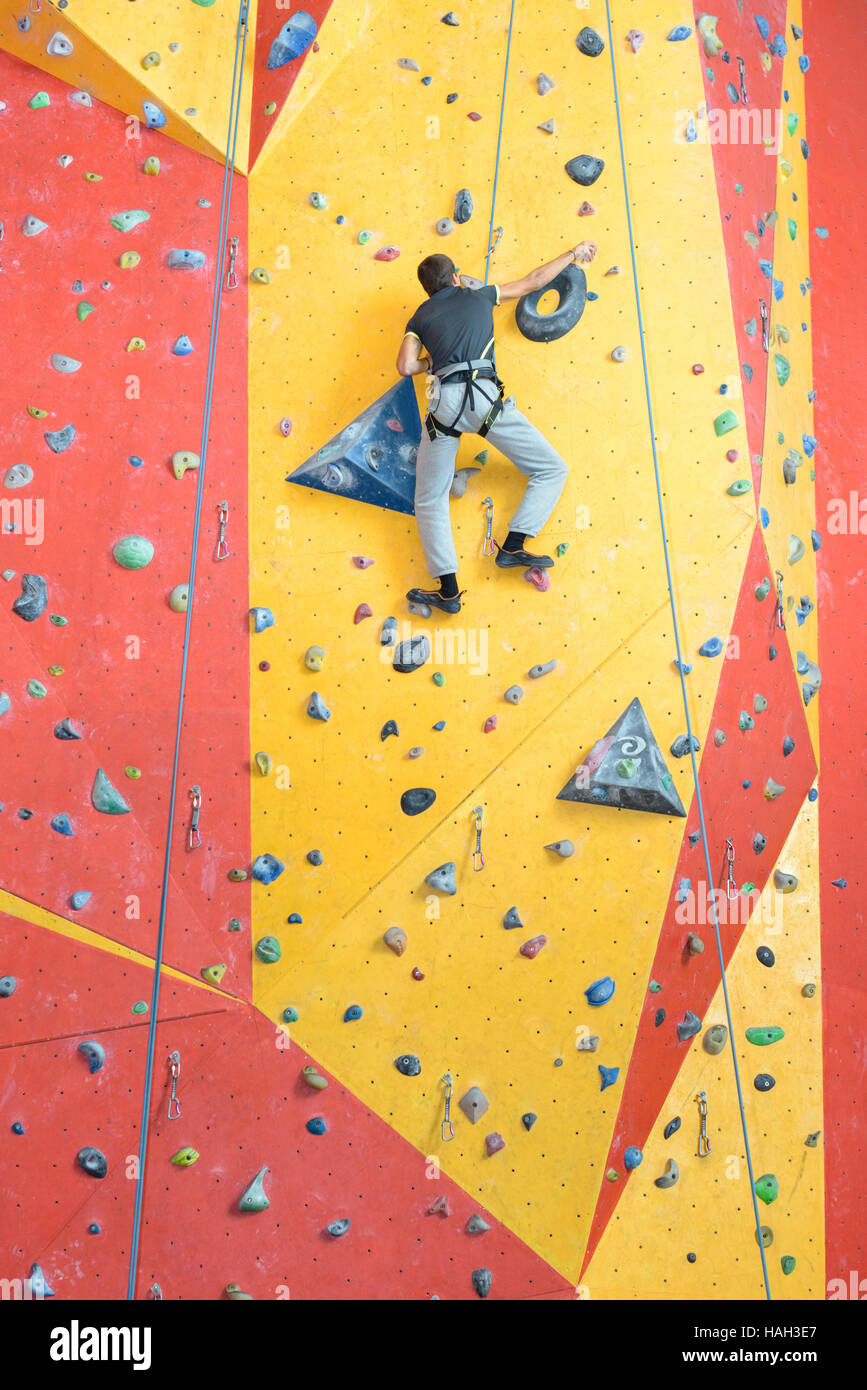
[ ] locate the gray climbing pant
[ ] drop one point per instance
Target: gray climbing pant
(513, 435)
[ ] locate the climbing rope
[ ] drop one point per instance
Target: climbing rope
(225, 206)
(491, 242)
(689, 733)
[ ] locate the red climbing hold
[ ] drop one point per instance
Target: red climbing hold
(531, 948)
(586, 210)
(697, 369)
(493, 1143)
(395, 425)
(417, 974)
(439, 1206)
(363, 611)
(490, 723)
(538, 578)
(474, 115)
(264, 666)
(731, 455)
(361, 562)
(387, 253)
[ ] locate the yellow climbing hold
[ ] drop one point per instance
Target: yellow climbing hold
(270, 108)
(214, 973)
(37, 413)
(136, 345)
(260, 276)
(184, 460)
(129, 260)
(55, 670)
(312, 1077)
(133, 773)
(93, 178)
(234, 1291)
(151, 164)
(185, 1157)
(263, 762)
(151, 60)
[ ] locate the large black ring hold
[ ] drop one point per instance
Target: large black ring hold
(571, 286)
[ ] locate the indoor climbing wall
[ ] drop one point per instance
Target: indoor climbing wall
(491, 949)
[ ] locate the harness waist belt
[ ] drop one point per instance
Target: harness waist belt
(468, 373)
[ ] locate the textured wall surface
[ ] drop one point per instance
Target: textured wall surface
(706, 208)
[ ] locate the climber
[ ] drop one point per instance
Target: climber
(451, 337)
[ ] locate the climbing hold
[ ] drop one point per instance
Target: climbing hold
(463, 210)
(185, 1158)
(619, 354)
(133, 552)
(411, 653)
(260, 276)
(443, 878)
(184, 460)
(408, 1064)
(635, 39)
(547, 126)
(179, 598)
(787, 1262)
(600, 991)
(678, 33)
(681, 745)
(266, 868)
(759, 843)
(719, 737)
(763, 1037)
(690, 1026)
(395, 939)
(154, 119)
(317, 709)
(564, 848)
(669, 1177)
(767, 1188)
(542, 670)
(739, 487)
(416, 800)
(715, 1039)
(712, 647)
(314, 857)
(93, 1161)
(262, 618)
(268, 950)
(105, 797)
(514, 694)
(767, 1237)
(812, 1140)
(62, 824)
(476, 1225)
(773, 789)
(474, 1104)
(763, 589)
(571, 288)
(19, 475)
(671, 1128)
(711, 42)
(293, 40)
(339, 1227)
(765, 955)
(59, 440)
(95, 1054)
(254, 1199)
(587, 1043)
(213, 973)
(353, 1013)
(151, 166)
(78, 900)
(783, 882)
(608, 1076)
(313, 1079)
(531, 948)
(632, 1156)
(388, 730)
(725, 422)
(493, 1143)
(512, 920)
(695, 945)
(8, 986)
(314, 658)
(746, 721)
(589, 42)
(482, 1280)
(764, 1082)
(490, 724)
(585, 169)
(125, 221)
(32, 600)
(363, 611)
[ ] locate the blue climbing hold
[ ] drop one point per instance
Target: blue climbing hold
(839, 882)
(788, 746)
(803, 610)
(262, 618)
(592, 295)
(779, 46)
(373, 458)
(18, 1127)
(352, 1013)
(810, 444)
(712, 647)
(691, 132)
(683, 890)
(812, 794)
(294, 919)
(294, 38)
(765, 515)
(767, 268)
(439, 725)
(609, 1075)
(762, 25)
(632, 1157)
(778, 289)
(154, 118)
(803, 62)
(95, 1054)
(135, 461)
(61, 824)
(679, 32)
(816, 539)
(600, 991)
(93, 1229)
(266, 868)
(314, 857)
(78, 899)
(183, 347)
(317, 1125)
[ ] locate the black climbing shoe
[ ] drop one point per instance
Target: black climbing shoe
(509, 559)
(434, 599)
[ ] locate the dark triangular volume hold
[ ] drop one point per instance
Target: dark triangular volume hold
(373, 458)
(626, 769)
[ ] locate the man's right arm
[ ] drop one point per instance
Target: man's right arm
(538, 279)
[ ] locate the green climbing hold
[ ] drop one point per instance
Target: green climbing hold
(36, 689)
(760, 704)
(290, 1014)
(787, 1263)
(792, 122)
(739, 487)
(140, 1007)
(783, 368)
(767, 1188)
(748, 887)
(268, 950)
(562, 548)
(254, 1198)
(654, 987)
(83, 310)
(746, 721)
(125, 221)
(39, 100)
(105, 798)
(625, 768)
(133, 552)
(793, 232)
(763, 589)
(726, 422)
(438, 678)
(763, 1037)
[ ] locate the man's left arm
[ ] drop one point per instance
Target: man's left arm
(412, 358)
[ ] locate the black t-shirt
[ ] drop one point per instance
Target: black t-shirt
(456, 325)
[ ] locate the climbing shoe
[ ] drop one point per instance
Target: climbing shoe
(434, 599)
(509, 559)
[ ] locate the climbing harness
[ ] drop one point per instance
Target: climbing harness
(174, 1103)
(241, 35)
(692, 742)
(481, 369)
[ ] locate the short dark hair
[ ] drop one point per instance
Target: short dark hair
(435, 273)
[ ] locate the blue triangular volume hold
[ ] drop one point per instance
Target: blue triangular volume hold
(373, 458)
(626, 769)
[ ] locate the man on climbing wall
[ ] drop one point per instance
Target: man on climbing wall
(451, 336)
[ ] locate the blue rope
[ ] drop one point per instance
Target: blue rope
(680, 659)
(225, 205)
(499, 143)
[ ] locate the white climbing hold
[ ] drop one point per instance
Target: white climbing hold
(64, 364)
(64, 160)
(81, 98)
(32, 226)
(59, 46)
(19, 475)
